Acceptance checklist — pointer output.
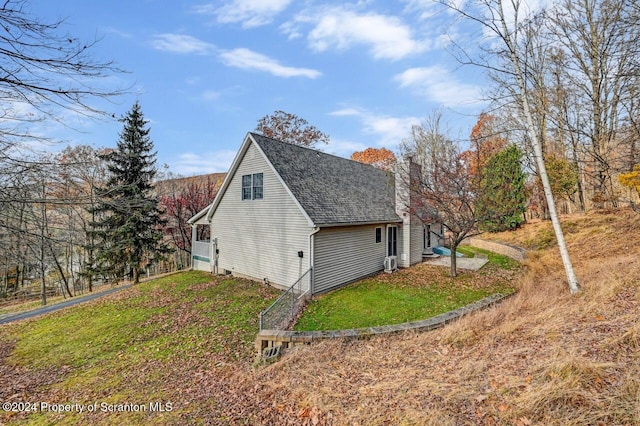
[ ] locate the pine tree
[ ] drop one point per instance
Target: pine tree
(128, 227)
(502, 202)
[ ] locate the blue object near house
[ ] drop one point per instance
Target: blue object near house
(445, 251)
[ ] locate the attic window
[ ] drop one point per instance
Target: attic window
(252, 187)
(257, 186)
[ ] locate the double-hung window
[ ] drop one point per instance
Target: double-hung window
(246, 187)
(257, 186)
(252, 187)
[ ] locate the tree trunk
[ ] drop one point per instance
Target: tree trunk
(574, 286)
(43, 287)
(454, 259)
(60, 271)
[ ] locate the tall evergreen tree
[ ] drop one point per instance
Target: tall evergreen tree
(129, 221)
(502, 202)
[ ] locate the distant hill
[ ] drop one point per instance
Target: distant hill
(180, 183)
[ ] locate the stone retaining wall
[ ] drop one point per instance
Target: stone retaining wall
(268, 339)
(282, 339)
(514, 252)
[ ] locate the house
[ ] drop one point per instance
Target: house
(284, 211)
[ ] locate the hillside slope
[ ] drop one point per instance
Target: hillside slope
(542, 357)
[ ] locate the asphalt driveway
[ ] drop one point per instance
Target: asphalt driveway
(62, 305)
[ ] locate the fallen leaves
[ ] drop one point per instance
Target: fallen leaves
(514, 369)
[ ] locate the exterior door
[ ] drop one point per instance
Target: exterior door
(427, 237)
(392, 240)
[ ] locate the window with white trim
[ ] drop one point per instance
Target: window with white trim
(257, 186)
(252, 186)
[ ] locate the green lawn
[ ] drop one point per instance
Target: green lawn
(412, 294)
(496, 259)
(136, 346)
(186, 338)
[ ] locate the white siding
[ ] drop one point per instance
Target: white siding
(202, 221)
(261, 238)
(410, 242)
(404, 245)
(344, 254)
(417, 241)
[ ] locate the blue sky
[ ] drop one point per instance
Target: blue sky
(205, 72)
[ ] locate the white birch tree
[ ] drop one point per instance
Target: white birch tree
(503, 25)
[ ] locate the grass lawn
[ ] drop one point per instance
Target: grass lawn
(138, 346)
(412, 294)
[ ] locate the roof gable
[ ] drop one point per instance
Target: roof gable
(240, 155)
(330, 189)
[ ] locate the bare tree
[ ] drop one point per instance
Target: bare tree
(442, 191)
(44, 71)
(290, 128)
(81, 171)
(509, 56)
(600, 44)
(45, 74)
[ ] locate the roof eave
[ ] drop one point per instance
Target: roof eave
(199, 215)
(374, 222)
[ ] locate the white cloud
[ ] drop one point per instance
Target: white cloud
(439, 85)
(210, 95)
(251, 13)
(343, 148)
(116, 31)
(182, 43)
(342, 28)
(386, 131)
(192, 80)
(248, 59)
(190, 164)
(346, 112)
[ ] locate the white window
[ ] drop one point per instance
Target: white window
(252, 187)
(246, 187)
(257, 186)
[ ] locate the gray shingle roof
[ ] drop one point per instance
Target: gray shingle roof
(332, 190)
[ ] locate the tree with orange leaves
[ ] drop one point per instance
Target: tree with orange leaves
(485, 143)
(381, 158)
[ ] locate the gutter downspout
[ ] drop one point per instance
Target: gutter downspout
(312, 258)
(194, 236)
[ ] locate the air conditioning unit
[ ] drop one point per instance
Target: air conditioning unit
(390, 264)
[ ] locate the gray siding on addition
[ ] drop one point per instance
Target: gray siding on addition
(345, 254)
